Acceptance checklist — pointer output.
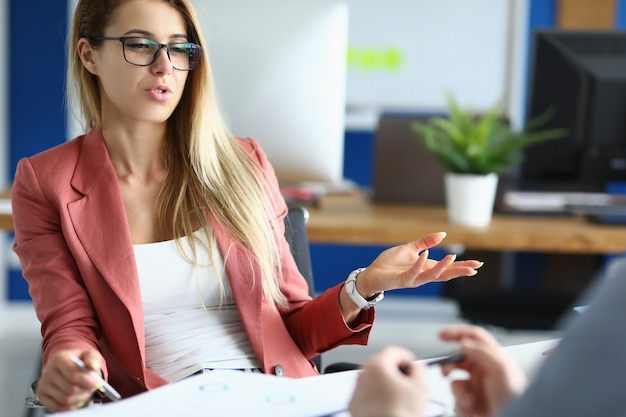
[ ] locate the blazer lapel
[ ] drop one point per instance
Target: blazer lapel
(99, 219)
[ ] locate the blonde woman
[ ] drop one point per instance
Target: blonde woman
(153, 244)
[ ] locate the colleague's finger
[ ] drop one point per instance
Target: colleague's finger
(459, 332)
(463, 401)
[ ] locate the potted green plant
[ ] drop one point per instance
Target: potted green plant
(476, 149)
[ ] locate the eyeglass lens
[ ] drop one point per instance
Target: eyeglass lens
(142, 51)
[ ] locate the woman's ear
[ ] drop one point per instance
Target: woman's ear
(85, 52)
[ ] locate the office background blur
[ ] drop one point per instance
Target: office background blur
(403, 55)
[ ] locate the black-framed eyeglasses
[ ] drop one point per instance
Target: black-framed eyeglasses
(143, 52)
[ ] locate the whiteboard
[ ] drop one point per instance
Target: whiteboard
(456, 46)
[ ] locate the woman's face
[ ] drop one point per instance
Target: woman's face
(131, 93)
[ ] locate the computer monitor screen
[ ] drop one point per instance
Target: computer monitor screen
(581, 76)
(280, 76)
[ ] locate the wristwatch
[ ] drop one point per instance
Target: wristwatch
(358, 299)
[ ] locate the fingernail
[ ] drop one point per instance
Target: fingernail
(481, 264)
(424, 253)
(452, 258)
(471, 274)
(80, 404)
(443, 234)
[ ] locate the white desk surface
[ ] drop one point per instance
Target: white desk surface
(274, 397)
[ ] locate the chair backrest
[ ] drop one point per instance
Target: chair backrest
(296, 235)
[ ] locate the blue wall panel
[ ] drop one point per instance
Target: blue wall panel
(37, 76)
(358, 159)
(37, 65)
(620, 15)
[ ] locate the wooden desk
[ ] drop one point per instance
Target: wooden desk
(6, 219)
(355, 220)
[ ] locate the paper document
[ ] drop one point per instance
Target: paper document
(233, 393)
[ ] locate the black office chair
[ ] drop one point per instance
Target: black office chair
(296, 235)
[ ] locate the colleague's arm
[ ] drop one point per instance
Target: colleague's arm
(494, 377)
(390, 386)
(578, 379)
(585, 375)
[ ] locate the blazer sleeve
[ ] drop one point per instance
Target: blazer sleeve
(316, 325)
(66, 314)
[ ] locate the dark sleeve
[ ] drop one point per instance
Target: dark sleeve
(586, 375)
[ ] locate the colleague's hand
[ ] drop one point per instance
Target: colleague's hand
(382, 389)
(63, 385)
(494, 377)
(408, 266)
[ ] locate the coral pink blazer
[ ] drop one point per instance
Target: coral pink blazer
(75, 248)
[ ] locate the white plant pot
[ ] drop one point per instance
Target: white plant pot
(470, 198)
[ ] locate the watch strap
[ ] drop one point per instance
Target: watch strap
(353, 293)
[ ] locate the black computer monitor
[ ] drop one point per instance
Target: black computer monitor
(581, 75)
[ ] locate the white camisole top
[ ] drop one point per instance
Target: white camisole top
(184, 336)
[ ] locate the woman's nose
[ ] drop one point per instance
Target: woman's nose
(162, 63)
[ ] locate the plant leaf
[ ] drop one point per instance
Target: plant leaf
(480, 144)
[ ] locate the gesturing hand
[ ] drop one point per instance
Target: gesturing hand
(408, 266)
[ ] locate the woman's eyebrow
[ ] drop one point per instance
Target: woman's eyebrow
(138, 32)
(151, 35)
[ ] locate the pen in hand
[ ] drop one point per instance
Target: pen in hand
(458, 357)
(102, 386)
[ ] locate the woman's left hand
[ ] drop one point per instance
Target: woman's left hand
(408, 266)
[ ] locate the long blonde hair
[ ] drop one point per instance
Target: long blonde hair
(207, 170)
